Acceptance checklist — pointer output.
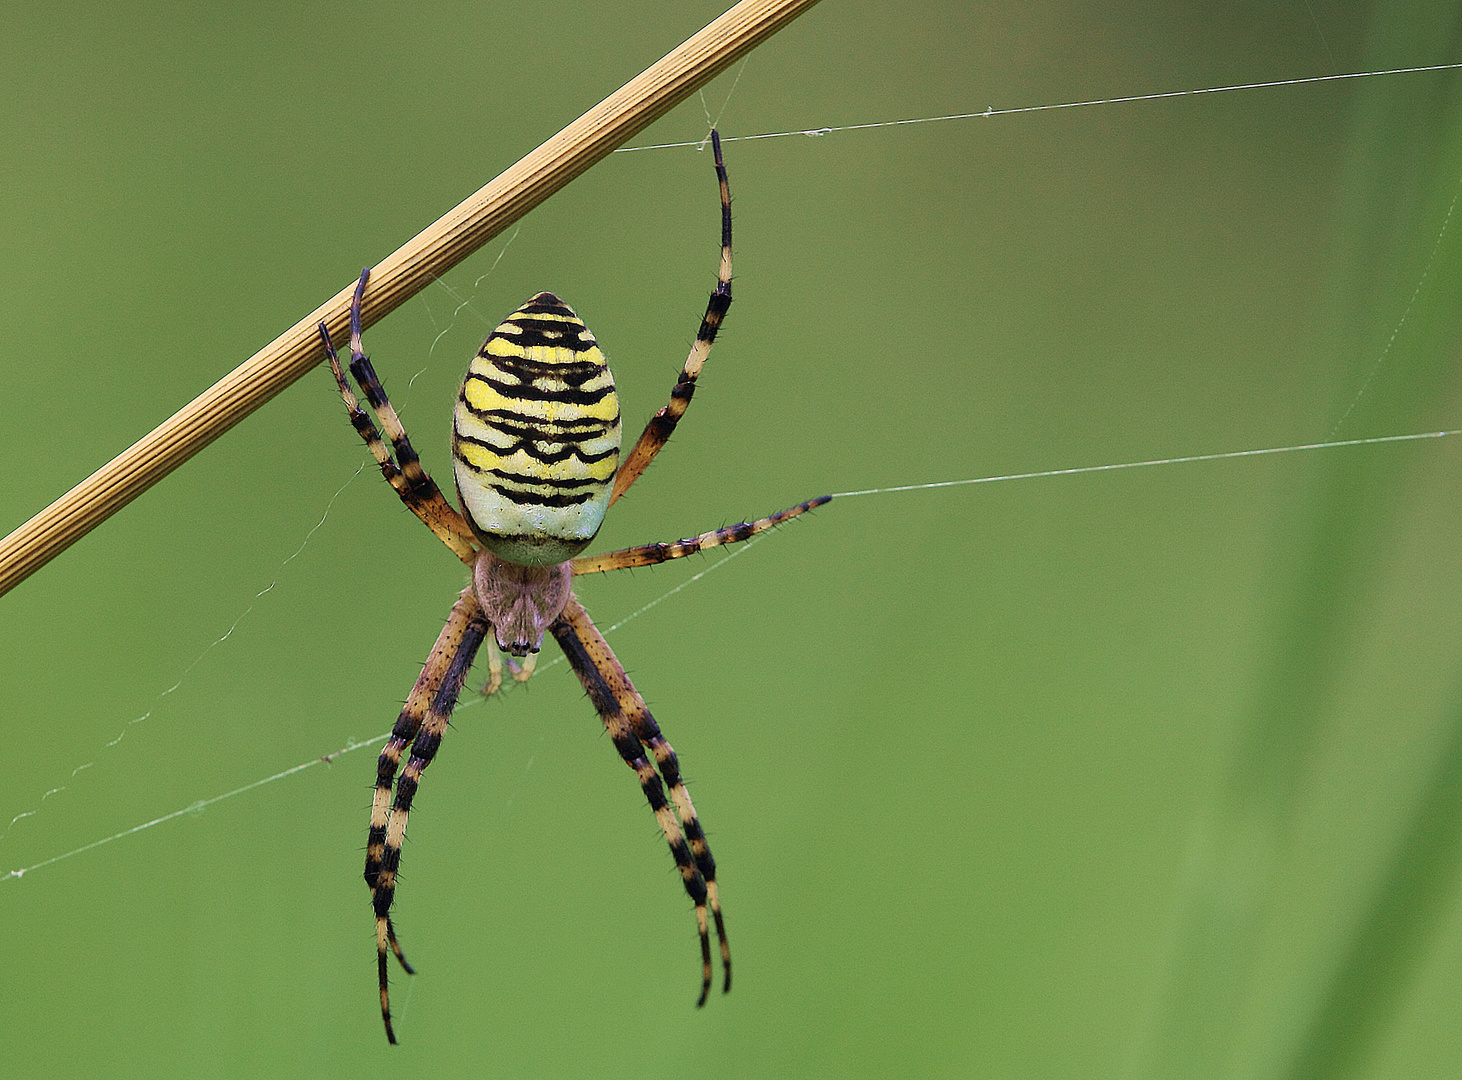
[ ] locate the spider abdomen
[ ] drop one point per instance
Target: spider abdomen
(535, 436)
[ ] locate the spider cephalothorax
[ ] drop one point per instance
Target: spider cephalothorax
(520, 601)
(535, 449)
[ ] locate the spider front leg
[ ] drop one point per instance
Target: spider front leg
(404, 472)
(658, 431)
(631, 727)
(421, 724)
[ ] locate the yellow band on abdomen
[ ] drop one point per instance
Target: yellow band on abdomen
(535, 436)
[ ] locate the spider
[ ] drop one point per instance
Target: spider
(535, 454)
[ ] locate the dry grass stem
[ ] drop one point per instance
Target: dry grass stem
(394, 280)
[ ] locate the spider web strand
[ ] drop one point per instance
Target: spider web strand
(197, 807)
(1155, 461)
(353, 745)
(1053, 107)
(200, 805)
(187, 670)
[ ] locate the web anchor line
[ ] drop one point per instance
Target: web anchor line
(195, 807)
(202, 804)
(991, 111)
(326, 759)
(1224, 455)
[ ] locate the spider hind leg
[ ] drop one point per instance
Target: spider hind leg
(421, 724)
(631, 727)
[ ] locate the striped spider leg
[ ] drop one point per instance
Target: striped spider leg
(658, 431)
(403, 472)
(422, 723)
(424, 717)
(631, 727)
(535, 454)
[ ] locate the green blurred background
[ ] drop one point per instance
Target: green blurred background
(1144, 774)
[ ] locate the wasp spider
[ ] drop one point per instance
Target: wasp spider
(535, 453)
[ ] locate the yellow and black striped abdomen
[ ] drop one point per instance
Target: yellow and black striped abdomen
(535, 438)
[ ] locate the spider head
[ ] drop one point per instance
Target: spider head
(520, 601)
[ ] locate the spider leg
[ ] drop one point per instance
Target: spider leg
(650, 554)
(408, 724)
(422, 721)
(631, 727)
(657, 432)
(669, 766)
(404, 473)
